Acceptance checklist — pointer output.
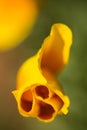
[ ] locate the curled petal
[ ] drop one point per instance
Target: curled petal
(27, 105)
(41, 101)
(36, 94)
(55, 49)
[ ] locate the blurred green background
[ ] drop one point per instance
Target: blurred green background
(73, 78)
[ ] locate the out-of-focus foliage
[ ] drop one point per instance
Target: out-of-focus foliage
(73, 78)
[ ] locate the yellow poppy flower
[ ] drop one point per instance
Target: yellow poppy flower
(38, 93)
(16, 20)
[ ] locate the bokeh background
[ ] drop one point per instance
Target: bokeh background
(73, 78)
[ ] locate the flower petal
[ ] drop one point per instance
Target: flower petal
(38, 93)
(55, 49)
(41, 101)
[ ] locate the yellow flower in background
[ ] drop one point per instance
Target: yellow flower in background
(16, 20)
(38, 93)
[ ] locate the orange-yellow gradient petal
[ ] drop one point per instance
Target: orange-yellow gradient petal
(16, 20)
(56, 48)
(38, 93)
